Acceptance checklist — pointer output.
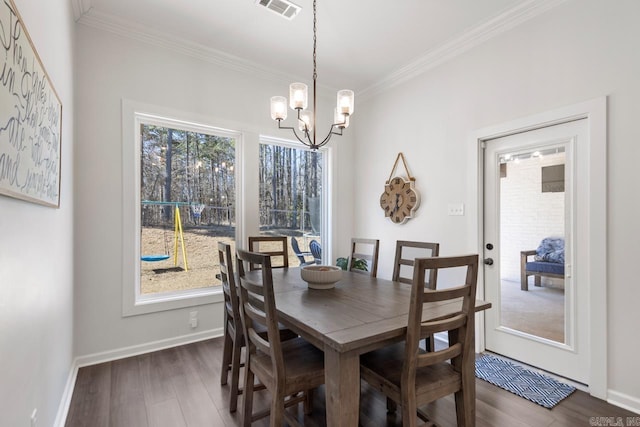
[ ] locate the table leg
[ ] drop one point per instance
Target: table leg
(342, 385)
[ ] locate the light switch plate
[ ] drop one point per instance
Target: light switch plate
(455, 209)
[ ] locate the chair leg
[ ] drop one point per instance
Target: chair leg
(392, 406)
(308, 401)
(247, 394)
(537, 280)
(430, 343)
(409, 413)
(277, 409)
(226, 356)
(465, 398)
(464, 418)
(235, 376)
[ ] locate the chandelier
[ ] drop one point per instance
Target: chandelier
(298, 100)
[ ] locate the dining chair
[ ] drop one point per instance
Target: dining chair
(412, 377)
(316, 251)
(367, 250)
(233, 336)
(274, 246)
(233, 332)
(406, 252)
(406, 258)
(290, 369)
(301, 255)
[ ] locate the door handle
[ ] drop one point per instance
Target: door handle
(488, 261)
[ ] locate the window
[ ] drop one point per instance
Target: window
(182, 196)
(292, 195)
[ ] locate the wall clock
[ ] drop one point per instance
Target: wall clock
(400, 199)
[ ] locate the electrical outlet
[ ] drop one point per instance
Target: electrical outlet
(193, 319)
(34, 418)
(455, 209)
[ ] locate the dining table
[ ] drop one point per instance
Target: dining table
(361, 313)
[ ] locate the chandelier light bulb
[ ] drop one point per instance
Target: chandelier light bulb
(298, 96)
(305, 124)
(345, 101)
(278, 107)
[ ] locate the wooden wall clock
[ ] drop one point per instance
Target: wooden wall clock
(400, 199)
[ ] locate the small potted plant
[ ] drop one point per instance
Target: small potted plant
(358, 264)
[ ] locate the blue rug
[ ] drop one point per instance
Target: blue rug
(538, 388)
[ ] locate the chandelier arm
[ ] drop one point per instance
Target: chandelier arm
(293, 129)
(328, 137)
(334, 132)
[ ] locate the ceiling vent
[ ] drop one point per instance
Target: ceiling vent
(284, 8)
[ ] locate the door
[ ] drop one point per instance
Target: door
(534, 196)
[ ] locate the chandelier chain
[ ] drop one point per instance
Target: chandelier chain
(315, 74)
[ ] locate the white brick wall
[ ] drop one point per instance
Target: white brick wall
(527, 214)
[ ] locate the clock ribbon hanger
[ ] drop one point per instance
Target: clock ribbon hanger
(400, 199)
(395, 165)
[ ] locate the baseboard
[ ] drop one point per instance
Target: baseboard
(65, 402)
(624, 401)
(121, 353)
(107, 356)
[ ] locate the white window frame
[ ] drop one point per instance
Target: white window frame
(326, 220)
(133, 115)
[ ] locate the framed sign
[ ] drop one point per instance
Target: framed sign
(30, 117)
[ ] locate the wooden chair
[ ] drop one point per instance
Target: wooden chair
(285, 368)
(233, 332)
(411, 377)
(424, 249)
(280, 250)
(366, 249)
(429, 250)
(233, 335)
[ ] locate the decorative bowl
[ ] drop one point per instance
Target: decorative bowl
(321, 276)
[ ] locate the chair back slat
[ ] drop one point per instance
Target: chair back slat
(431, 295)
(258, 308)
(435, 357)
(442, 325)
(458, 324)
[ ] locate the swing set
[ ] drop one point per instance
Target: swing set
(177, 236)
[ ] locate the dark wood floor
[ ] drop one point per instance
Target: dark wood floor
(181, 387)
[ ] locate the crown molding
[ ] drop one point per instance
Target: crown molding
(464, 42)
(510, 18)
(80, 8)
(132, 30)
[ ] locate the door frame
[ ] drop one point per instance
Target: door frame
(595, 111)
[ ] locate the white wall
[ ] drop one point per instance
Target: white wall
(578, 51)
(111, 68)
(36, 253)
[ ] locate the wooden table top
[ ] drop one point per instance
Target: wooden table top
(360, 314)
